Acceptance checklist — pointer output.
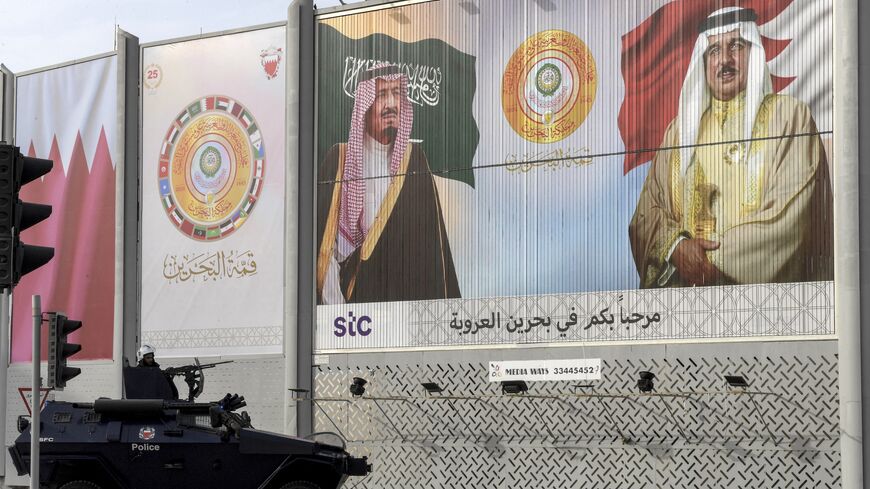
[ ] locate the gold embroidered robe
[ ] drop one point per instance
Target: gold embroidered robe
(771, 210)
(406, 254)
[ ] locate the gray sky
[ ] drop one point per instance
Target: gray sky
(38, 33)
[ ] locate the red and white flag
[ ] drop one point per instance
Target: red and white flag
(656, 56)
(68, 115)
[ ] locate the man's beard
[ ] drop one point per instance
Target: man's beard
(391, 132)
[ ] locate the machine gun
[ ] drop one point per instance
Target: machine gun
(192, 376)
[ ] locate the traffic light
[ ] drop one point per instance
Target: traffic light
(59, 349)
(17, 258)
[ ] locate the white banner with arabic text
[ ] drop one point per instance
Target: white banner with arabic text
(696, 313)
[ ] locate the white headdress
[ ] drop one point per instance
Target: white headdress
(695, 95)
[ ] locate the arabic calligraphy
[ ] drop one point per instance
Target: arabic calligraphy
(203, 267)
(526, 325)
(553, 159)
(209, 212)
(424, 82)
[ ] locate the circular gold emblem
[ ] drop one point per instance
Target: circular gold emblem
(211, 168)
(549, 86)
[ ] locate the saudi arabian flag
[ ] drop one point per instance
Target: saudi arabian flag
(441, 88)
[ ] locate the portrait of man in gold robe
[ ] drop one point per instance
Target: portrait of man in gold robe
(739, 191)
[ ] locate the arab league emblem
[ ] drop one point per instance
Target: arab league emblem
(549, 86)
(211, 168)
(270, 59)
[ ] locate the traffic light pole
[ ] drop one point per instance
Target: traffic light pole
(4, 365)
(35, 403)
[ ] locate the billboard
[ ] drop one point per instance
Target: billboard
(574, 171)
(69, 115)
(213, 133)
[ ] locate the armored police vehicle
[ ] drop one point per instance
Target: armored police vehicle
(160, 443)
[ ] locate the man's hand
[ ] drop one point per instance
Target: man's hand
(690, 259)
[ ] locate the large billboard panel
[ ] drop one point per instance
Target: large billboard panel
(213, 194)
(574, 171)
(69, 115)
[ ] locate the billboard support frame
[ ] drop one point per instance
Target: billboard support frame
(207, 35)
(8, 128)
(8, 115)
(307, 134)
(849, 275)
(127, 202)
(362, 7)
(291, 217)
(853, 348)
(65, 64)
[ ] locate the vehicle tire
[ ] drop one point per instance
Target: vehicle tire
(80, 485)
(300, 485)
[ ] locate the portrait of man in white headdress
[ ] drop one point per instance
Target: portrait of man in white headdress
(380, 228)
(739, 191)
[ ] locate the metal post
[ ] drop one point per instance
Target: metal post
(543, 421)
(763, 419)
(851, 234)
(676, 423)
(4, 368)
(624, 438)
(7, 116)
(126, 327)
(291, 221)
(35, 404)
(461, 418)
(306, 254)
(390, 420)
(343, 436)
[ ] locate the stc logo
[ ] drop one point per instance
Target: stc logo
(352, 325)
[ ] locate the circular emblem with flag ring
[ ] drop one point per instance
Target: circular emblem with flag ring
(211, 168)
(549, 86)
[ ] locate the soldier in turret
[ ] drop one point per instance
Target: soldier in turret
(145, 355)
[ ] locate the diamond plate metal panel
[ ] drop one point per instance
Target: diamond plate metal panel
(783, 432)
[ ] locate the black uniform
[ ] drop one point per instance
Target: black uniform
(154, 364)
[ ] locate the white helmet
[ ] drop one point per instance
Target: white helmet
(144, 350)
